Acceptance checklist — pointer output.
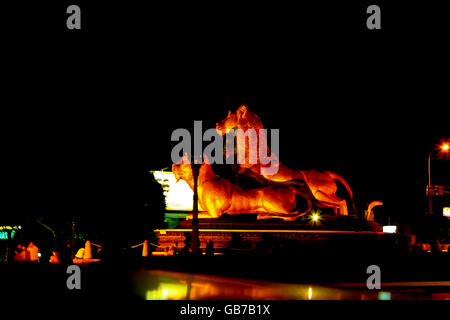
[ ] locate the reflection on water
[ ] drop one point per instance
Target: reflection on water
(168, 285)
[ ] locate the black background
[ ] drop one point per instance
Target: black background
(85, 111)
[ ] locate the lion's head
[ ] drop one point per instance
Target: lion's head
(182, 169)
(242, 119)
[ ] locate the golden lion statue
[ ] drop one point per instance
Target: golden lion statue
(321, 184)
(218, 196)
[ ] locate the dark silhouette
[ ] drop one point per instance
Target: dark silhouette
(187, 244)
(122, 228)
(209, 248)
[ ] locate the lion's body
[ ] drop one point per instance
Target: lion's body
(322, 184)
(218, 196)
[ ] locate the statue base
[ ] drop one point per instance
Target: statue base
(244, 235)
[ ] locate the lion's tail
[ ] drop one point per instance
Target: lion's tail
(347, 187)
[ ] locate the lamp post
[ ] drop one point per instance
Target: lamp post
(195, 241)
(73, 239)
(444, 148)
(429, 183)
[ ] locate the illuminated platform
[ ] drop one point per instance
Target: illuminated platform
(84, 261)
(260, 235)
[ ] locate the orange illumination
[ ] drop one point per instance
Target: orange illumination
(164, 231)
(322, 186)
(370, 207)
(444, 147)
(167, 291)
(218, 196)
(167, 285)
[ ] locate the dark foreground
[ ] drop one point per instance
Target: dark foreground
(307, 276)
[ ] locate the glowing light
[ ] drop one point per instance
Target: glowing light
(13, 229)
(150, 284)
(369, 212)
(325, 182)
(167, 291)
(315, 216)
(178, 194)
(390, 229)
(444, 147)
(384, 296)
(446, 212)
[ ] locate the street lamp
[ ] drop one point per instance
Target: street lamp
(195, 241)
(443, 147)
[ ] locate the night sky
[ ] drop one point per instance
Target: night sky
(89, 112)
